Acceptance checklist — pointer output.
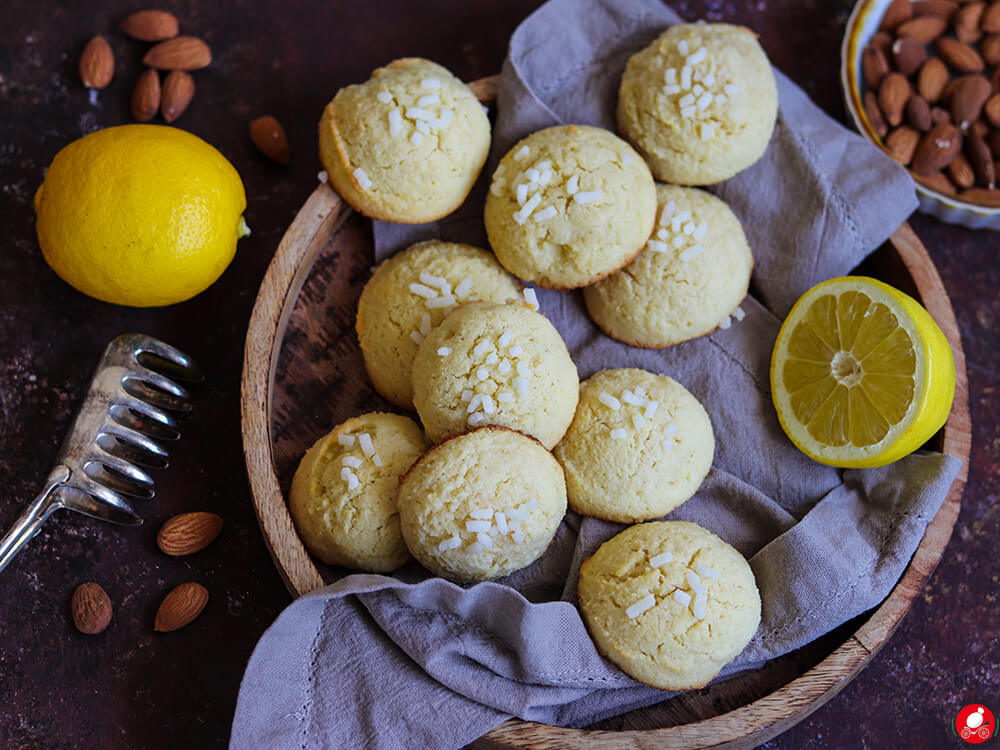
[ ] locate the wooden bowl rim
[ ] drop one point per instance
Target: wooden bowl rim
(315, 224)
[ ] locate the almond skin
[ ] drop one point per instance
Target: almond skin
(990, 22)
(939, 115)
(960, 172)
(892, 97)
(873, 66)
(146, 97)
(959, 57)
(901, 143)
(91, 608)
(990, 49)
(182, 605)
(179, 53)
(269, 138)
(151, 25)
(982, 196)
(188, 533)
(924, 29)
(992, 110)
(898, 12)
(918, 113)
(980, 158)
(936, 149)
(968, 98)
(178, 91)
(932, 79)
(909, 55)
(875, 115)
(966, 22)
(993, 140)
(882, 41)
(944, 8)
(938, 181)
(97, 63)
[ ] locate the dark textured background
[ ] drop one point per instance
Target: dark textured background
(132, 688)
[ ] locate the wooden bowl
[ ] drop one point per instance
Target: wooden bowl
(302, 364)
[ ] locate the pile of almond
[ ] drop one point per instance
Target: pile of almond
(932, 93)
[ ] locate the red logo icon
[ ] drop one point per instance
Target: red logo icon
(975, 724)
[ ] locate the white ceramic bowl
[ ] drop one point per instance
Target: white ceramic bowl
(861, 27)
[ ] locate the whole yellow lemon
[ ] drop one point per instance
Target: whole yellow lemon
(140, 215)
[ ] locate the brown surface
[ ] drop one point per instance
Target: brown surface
(130, 688)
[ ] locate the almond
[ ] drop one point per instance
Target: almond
(995, 79)
(967, 99)
(990, 22)
(882, 42)
(992, 110)
(982, 196)
(901, 144)
(980, 126)
(924, 29)
(892, 97)
(875, 115)
(182, 605)
(938, 181)
(993, 139)
(269, 137)
(939, 115)
(898, 12)
(918, 113)
(932, 79)
(958, 56)
(179, 53)
(908, 55)
(936, 149)
(97, 63)
(990, 49)
(146, 97)
(178, 91)
(980, 158)
(151, 25)
(873, 66)
(966, 22)
(91, 608)
(944, 8)
(960, 172)
(188, 533)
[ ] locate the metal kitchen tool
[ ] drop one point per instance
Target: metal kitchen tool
(129, 409)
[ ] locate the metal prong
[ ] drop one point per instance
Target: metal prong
(119, 476)
(152, 389)
(138, 420)
(182, 366)
(97, 502)
(132, 446)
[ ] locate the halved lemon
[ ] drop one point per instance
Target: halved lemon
(861, 375)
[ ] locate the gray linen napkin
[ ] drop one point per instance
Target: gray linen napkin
(376, 662)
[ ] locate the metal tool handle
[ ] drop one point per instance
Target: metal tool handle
(33, 517)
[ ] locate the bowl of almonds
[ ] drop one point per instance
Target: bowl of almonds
(922, 81)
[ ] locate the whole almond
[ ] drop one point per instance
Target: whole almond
(182, 605)
(958, 56)
(892, 97)
(966, 22)
(944, 8)
(992, 110)
(932, 79)
(882, 41)
(188, 533)
(909, 55)
(924, 29)
(873, 66)
(982, 196)
(980, 158)
(91, 608)
(981, 126)
(960, 172)
(918, 113)
(939, 115)
(146, 97)
(151, 25)
(990, 49)
(97, 63)
(936, 149)
(178, 91)
(875, 114)
(991, 19)
(179, 53)
(968, 98)
(901, 143)
(938, 181)
(898, 12)
(269, 137)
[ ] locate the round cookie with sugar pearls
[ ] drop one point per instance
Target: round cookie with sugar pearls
(670, 603)
(409, 295)
(343, 495)
(640, 445)
(568, 205)
(700, 102)
(491, 364)
(689, 280)
(482, 505)
(407, 144)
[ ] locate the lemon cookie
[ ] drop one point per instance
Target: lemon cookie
(568, 205)
(409, 295)
(699, 103)
(640, 445)
(406, 145)
(495, 364)
(482, 505)
(343, 496)
(669, 602)
(692, 275)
